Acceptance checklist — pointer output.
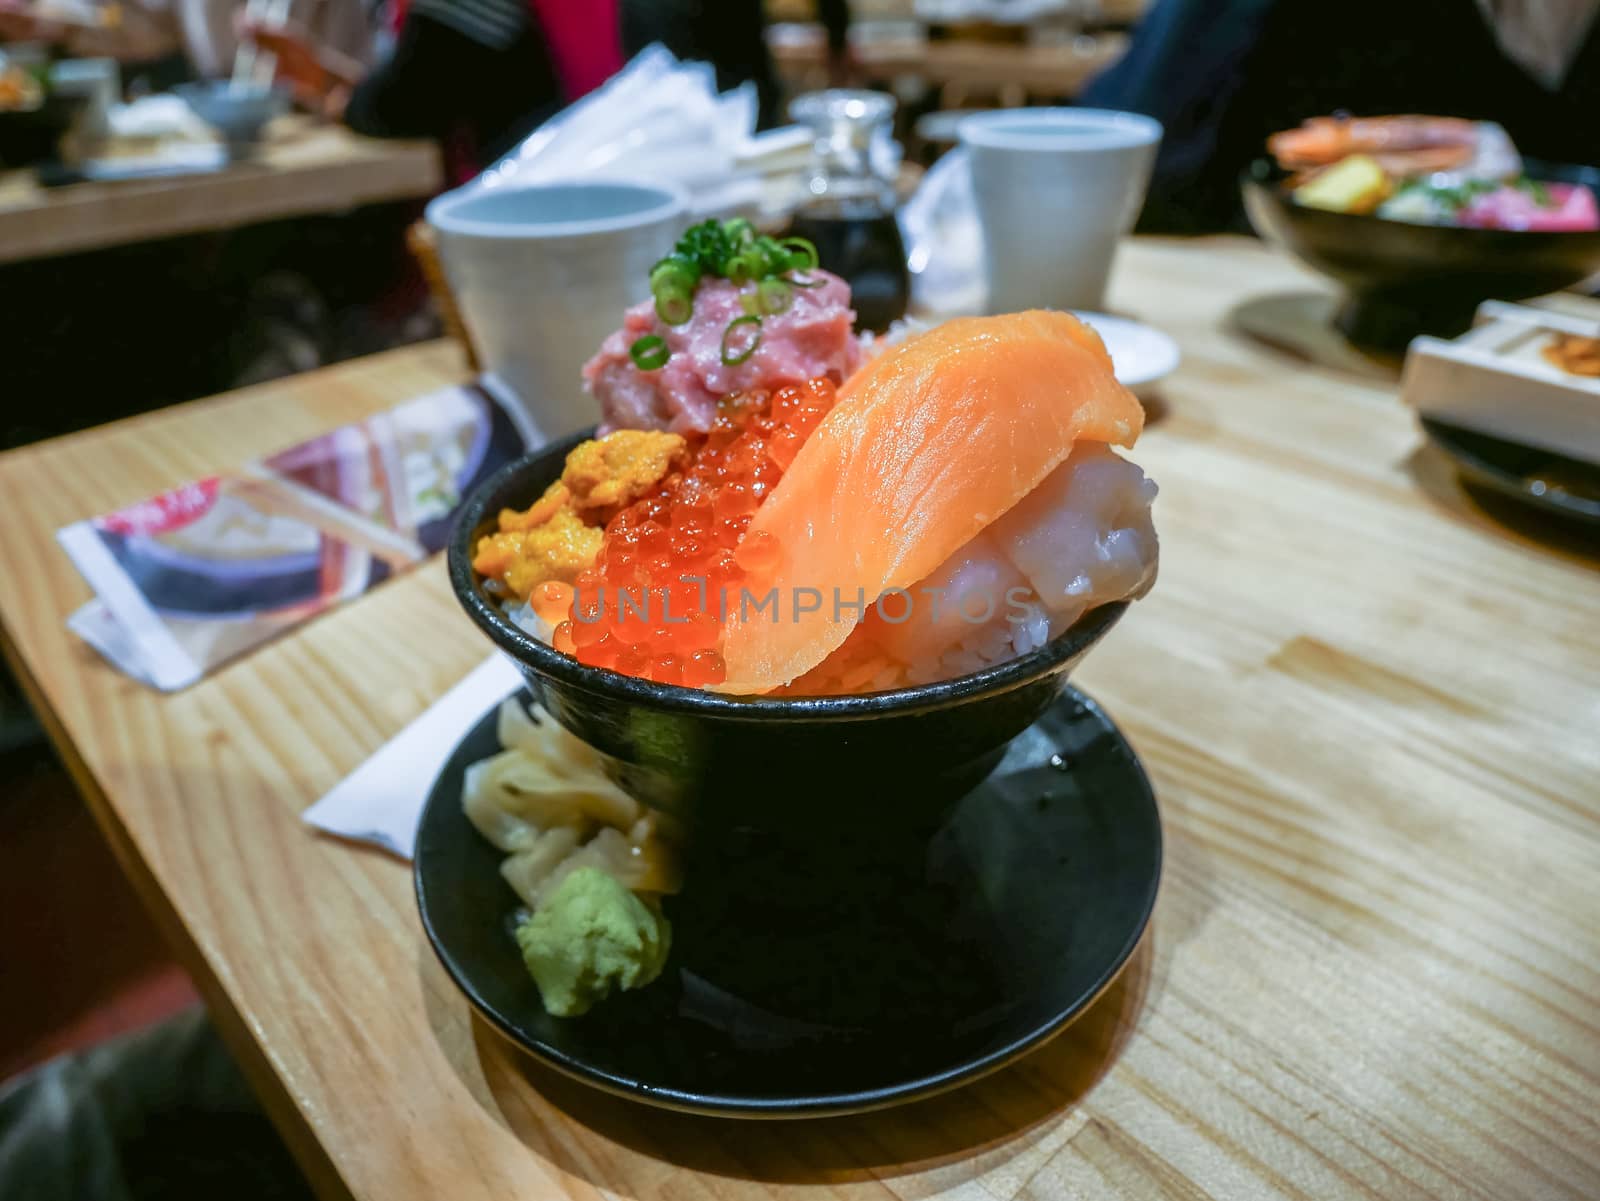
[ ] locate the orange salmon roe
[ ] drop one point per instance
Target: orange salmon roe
(632, 611)
(551, 600)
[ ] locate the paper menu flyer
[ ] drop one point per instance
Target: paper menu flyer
(188, 579)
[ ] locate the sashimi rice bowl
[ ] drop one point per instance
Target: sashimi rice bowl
(796, 568)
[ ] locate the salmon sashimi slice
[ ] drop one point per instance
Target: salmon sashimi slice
(927, 445)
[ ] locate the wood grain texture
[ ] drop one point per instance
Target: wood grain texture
(318, 170)
(1369, 708)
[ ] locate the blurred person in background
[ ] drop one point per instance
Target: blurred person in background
(731, 36)
(475, 74)
(1221, 75)
(180, 318)
(163, 42)
(483, 74)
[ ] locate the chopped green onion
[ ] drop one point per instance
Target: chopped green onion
(802, 255)
(773, 296)
(674, 273)
(674, 307)
(1452, 198)
(1536, 191)
(733, 360)
(734, 251)
(746, 266)
(650, 352)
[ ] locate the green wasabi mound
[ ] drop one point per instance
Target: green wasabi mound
(589, 937)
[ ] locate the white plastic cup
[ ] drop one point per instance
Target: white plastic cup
(1056, 189)
(542, 273)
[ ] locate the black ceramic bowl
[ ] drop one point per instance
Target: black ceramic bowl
(30, 136)
(1405, 279)
(830, 768)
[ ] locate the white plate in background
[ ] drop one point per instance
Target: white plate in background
(1140, 354)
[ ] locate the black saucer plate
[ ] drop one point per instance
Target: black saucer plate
(804, 986)
(1548, 481)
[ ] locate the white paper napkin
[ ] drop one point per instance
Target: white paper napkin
(656, 118)
(96, 624)
(381, 801)
(664, 120)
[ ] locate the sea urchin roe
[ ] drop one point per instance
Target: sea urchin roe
(670, 567)
(523, 559)
(560, 534)
(607, 473)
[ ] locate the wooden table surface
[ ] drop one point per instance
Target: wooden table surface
(310, 169)
(1369, 709)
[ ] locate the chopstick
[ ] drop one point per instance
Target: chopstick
(276, 495)
(253, 67)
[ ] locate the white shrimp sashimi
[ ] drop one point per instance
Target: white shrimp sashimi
(969, 588)
(1083, 537)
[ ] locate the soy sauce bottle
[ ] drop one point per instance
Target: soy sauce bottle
(848, 213)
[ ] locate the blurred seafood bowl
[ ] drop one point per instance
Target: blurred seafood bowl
(1421, 219)
(35, 116)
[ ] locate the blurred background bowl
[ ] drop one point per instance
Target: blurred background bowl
(31, 136)
(1404, 279)
(239, 114)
